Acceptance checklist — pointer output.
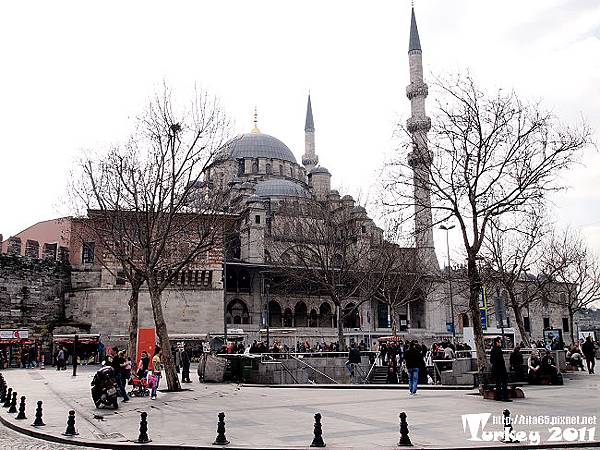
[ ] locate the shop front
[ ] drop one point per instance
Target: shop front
(16, 348)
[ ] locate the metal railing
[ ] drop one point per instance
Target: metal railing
(313, 368)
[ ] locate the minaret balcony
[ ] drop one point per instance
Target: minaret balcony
(417, 89)
(419, 157)
(418, 124)
(310, 160)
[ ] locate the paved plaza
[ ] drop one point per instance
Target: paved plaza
(258, 417)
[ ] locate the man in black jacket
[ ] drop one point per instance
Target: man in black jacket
(414, 361)
(590, 353)
(185, 364)
(499, 371)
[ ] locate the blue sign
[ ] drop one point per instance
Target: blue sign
(483, 315)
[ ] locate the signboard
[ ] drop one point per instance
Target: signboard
(14, 334)
(483, 307)
(146, 341)
(553, 339)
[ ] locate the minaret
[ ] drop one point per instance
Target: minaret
(309, 159)
(420, 158)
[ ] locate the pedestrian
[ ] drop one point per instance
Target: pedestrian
(499, 371)
(118, 365)
(516, 363)
(143, 365)
(590, 354)
(60, 359)
(185, 364)
(33, 356)
(156, 371)
(414, 360)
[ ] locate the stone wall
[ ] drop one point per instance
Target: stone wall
(32, 294)
(186, 311)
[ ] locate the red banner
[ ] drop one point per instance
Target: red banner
(146, 341)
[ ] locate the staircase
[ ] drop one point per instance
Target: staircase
(379, 375)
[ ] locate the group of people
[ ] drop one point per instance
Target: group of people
(123, 369)
(401, 358)
(576, 353)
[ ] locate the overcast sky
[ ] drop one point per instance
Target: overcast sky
(74, 74)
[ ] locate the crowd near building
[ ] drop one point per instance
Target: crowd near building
(53, 286)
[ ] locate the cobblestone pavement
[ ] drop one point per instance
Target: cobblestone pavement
(12, 440)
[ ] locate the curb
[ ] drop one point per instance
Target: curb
(397, 387)
(150, 446)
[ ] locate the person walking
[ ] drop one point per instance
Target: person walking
(156, 371)
(589, 352)
(185, 364)
(118, 365)
(414, 360)
(499, 371)
(60, 359)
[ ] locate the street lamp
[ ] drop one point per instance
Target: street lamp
(447, 229)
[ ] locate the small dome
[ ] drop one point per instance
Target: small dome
(254, 199)
(319, 169)
(281, 188)
(347, 197)
(256, 145)
(247, 185)
(359, 209)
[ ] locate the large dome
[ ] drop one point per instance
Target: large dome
(281, 188)
(257, 145)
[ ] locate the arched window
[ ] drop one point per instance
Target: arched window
(274, 314)
(351, 318)
(267, 256)
(313, 319)
(337, 260)
(255, 166)
(298, 230)
(280, 170)
(269, 169)
(237, 312)
(301, 315)
(292, 172)
(325, 316)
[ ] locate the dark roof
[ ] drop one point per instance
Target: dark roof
(319, 169)
(414, 42)
(309, 124)
(256, 145)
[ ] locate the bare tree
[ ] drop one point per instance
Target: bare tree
(568, 261)
(402, 278)
(512, 251)
(488, 155)
(157, 212)
(328, 253)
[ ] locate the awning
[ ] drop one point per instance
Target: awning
(390, 339)
(81, 338)
(16, 341)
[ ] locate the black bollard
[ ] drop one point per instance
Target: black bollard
(2, 393)
(21, 414)
(508, 428)
(143, 437)
(318, 439)
(70, 431)
(38, 422)
(404, 439)
(13, 404)
(6, 403)
(221, 439)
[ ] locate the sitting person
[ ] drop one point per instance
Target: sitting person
(534, 364)
(548, 369)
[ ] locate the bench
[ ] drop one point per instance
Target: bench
(488, 387)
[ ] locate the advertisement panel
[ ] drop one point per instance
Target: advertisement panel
(146, 341)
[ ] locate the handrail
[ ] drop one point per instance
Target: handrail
(289, 372)
(369, 372)
(316, 370)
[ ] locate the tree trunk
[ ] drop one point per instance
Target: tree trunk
(163, 335)
(394, 322)
(474, 288)
(133, 322)
(519, 319)
(571, 323)
(340, 327)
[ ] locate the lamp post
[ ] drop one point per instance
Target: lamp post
(447, 229)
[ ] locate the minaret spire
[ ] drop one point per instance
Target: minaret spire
(420, 158)
(255, 130)
(310, 158)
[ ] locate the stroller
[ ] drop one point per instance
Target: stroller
(139, 386)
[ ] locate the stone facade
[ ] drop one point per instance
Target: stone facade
(32, 294)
